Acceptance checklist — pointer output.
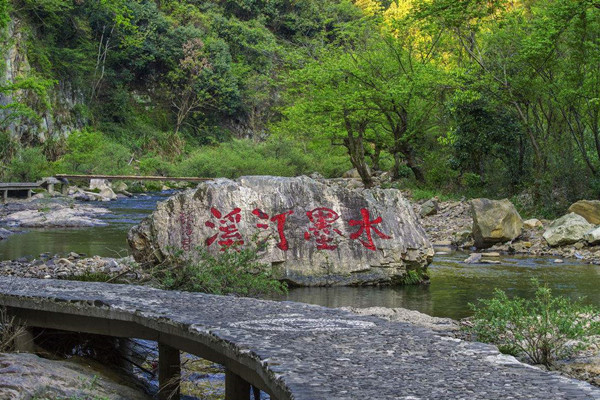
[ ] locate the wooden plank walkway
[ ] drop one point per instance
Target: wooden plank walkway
(5, 187)
(293, 351)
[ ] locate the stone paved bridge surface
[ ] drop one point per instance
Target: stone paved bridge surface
(292, 350)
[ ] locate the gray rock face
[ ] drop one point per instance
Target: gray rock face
(312, 233)
(568, 229)
(494, 221)
(27, 376)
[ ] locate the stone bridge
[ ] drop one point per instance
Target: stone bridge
(289, 350)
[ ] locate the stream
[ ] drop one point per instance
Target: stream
(453, 284)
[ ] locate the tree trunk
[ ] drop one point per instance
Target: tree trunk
(356, 150)
(412, 163)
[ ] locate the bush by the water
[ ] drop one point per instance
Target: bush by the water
(543, 329)
(234, 271)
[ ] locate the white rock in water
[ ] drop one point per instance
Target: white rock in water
(567, 229)
(313, 233)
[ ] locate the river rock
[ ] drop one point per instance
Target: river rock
(56, 216)
(99, 184)
(4, 233)
(588, 209)
(494, 221)
(120, 187)
(532, 223)
(442, 326)
(567, 229)
(593, 236)
(430, 207)
(310, 232)
(474, 258)
(27, 376)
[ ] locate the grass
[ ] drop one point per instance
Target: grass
(9, 331)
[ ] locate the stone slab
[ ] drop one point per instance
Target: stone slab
(310, 352)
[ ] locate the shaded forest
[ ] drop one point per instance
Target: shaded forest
(497, 98)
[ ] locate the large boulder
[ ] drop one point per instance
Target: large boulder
(312, 233)
(588, 209)
(494, 221)
(567, 229)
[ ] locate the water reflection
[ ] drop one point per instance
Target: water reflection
(454, 285)
(107, 241)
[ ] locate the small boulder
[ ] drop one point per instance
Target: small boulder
(588, 209)
(120, 186)
(462, 238)
(99, 184)
(430, 207)
(108, 193)
(593, 236)
(474, 258)
(494, 221)
(532, 223)
(352, 173)
(567, 229)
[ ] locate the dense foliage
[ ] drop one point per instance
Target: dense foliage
(544, 329)
(500, 97)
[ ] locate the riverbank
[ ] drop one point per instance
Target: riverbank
(451, 226)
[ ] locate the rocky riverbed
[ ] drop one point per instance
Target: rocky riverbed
(48, 213)
(451, 226)
(75, 266)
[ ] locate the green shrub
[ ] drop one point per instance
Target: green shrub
(29, 165)
(228, 272)
(543, 329)
(154, 165)
(274, 157)
(90, 152)
(414, 277)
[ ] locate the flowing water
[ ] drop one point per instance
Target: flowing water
(453, 284)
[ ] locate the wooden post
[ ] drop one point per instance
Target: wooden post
(5, 196)
(29, 191)
(64, 187)
(169, 372)
(236, 388)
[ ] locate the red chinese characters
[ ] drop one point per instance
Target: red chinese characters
(228, 232)
(367, 229)
(186, 222)
(322, 229)
(279, 219)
